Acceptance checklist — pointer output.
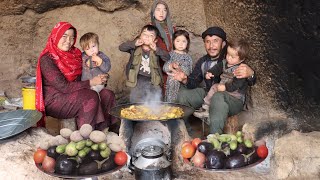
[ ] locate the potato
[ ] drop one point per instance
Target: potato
(76, 136)
(112, 138)
(65, 132)
(85, 130)
(61, 140)
(97, 136)
(44, 145)
(115, 147)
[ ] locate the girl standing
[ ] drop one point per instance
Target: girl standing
(179, 59)
(160, 17)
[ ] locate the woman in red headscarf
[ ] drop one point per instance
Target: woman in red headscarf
(59, 91)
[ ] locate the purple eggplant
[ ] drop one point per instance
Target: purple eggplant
(235, 161)
(65, 165)
(215, 159)
(242, 148)
(205, 147)
(252, 156)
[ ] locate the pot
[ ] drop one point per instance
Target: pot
(151, 165)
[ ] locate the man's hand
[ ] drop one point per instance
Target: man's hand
(221, 87)
(173, 65)
(138, 42)
(243, 71)
(97, 60)
(209, 75)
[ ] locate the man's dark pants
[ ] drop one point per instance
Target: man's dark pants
(222, 105)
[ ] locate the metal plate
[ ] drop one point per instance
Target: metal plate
(28, 79)
(225, 170)
(116, 168)
(116, 111)
(15, 122)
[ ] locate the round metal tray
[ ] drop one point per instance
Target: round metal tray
(225, 170)
(75, 176)
(14, 122)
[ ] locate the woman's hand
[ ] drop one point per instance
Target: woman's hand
(97, 60)
(100, 79)
(243, 71)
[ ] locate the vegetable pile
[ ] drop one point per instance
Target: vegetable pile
(223, 151)
(82, 152)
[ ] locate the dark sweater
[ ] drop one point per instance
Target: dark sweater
(198, 74)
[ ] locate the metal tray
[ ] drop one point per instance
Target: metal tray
(116, 168)
(15, 122)
(225, 170)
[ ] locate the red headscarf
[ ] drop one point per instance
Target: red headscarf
(69, 62)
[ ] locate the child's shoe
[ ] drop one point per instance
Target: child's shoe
(202, 113)
(205, 106)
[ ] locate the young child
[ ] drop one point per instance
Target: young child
(237, 52)
(160, 17)
(94, 62)
(143, 71)
(178, 58)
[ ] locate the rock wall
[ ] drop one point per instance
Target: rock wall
(25, 28)
(284, 38)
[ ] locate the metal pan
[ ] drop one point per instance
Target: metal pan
(116, 111)
(187, 161)
(76, 176)
(15, 122)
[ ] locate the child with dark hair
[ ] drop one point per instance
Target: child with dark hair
(179, 58)
(143, 71)
(237, 52)
(94, 62)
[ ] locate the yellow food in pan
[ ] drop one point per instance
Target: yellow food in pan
(142, 112)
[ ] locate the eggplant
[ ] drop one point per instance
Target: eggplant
(51, 152)
(65, 165)
(89, 168)
(224, 145)
(252, 156)
(235, 161)
(84, 160)
(109, 164)
(215, 159)
(205, 147)
(95, 166)
(95, 155)
(242, 148)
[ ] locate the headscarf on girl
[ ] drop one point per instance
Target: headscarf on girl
(167, 21)
(68, 62)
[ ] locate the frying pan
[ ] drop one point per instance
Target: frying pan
(116, 111)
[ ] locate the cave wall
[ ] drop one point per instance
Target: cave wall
(25, 28)
(285, 43)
